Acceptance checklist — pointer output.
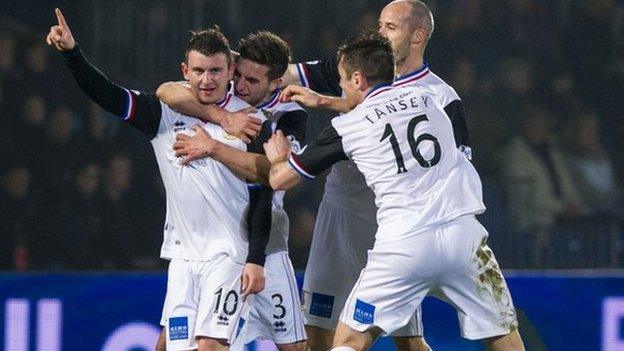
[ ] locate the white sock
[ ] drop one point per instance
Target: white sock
(343, 348)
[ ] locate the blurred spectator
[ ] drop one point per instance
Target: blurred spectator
(101, 132)
(120, 226)
(20, 223)
(515, 88)
(540, 189)
(531, 28)
(79, 215)
(8, 67)
(591, 167)
(36, 76)
(60, 154)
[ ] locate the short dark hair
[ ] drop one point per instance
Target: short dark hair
(369, 53)
(209, 42)
(268, 49)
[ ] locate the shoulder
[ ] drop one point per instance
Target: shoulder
(446, 92)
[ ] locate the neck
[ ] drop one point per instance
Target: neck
(409, 64)
(267, 98)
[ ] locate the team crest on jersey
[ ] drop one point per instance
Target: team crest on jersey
(178, 126)
(178, 328)
(294, 144)
(228, 136)
(364, 312)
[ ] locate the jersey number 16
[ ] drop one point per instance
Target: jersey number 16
(413, 144)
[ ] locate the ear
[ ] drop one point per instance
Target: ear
(359, 81)
(276, 83)
(184, 69)
(419, 36)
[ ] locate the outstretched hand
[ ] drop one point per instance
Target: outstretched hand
(60, 35)
(302, 95)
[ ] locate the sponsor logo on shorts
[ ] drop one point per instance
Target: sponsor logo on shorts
(280, 326)
(178, 328)
(223, 320)
(322, 305)
(364, 312)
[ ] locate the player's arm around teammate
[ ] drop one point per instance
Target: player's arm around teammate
(241, 124)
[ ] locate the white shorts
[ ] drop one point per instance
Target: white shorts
(337, 255)
(451, 262)
(203, 299)
(275, 313)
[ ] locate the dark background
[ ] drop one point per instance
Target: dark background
(541, 82)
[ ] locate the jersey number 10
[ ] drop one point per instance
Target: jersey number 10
(413, 144)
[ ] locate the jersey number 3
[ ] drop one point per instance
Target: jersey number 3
(413, 144)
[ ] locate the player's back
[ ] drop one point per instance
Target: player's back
(402, 141)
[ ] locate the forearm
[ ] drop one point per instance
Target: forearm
(180, 97)
(97, 86)
(259, 222)
(282, 176)
(251, 166)
(334, 103)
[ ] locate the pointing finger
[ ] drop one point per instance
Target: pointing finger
(61, 19)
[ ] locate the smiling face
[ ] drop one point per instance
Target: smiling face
(394, 24)
(208, 76)
(251, 81)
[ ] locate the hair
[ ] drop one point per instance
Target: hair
(209, 42)
(267, 49)
(420, 16)
(369, 53)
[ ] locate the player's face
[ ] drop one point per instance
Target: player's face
(251, 82)
(349, 86)
(394, 25)
(208, 76)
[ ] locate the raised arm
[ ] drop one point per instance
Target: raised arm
(119, 101)
(180, 97)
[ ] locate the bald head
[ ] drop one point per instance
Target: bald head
(420, 16)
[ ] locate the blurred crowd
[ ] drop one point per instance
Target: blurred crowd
(542, 83)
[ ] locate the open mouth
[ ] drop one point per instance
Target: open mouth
(207, 91)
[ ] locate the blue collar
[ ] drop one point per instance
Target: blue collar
(376, 88)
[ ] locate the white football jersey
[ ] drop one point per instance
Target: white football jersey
(345, 185)
(206, 202)
(402, 141)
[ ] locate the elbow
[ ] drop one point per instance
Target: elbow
(277, 183)
(162, 90)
